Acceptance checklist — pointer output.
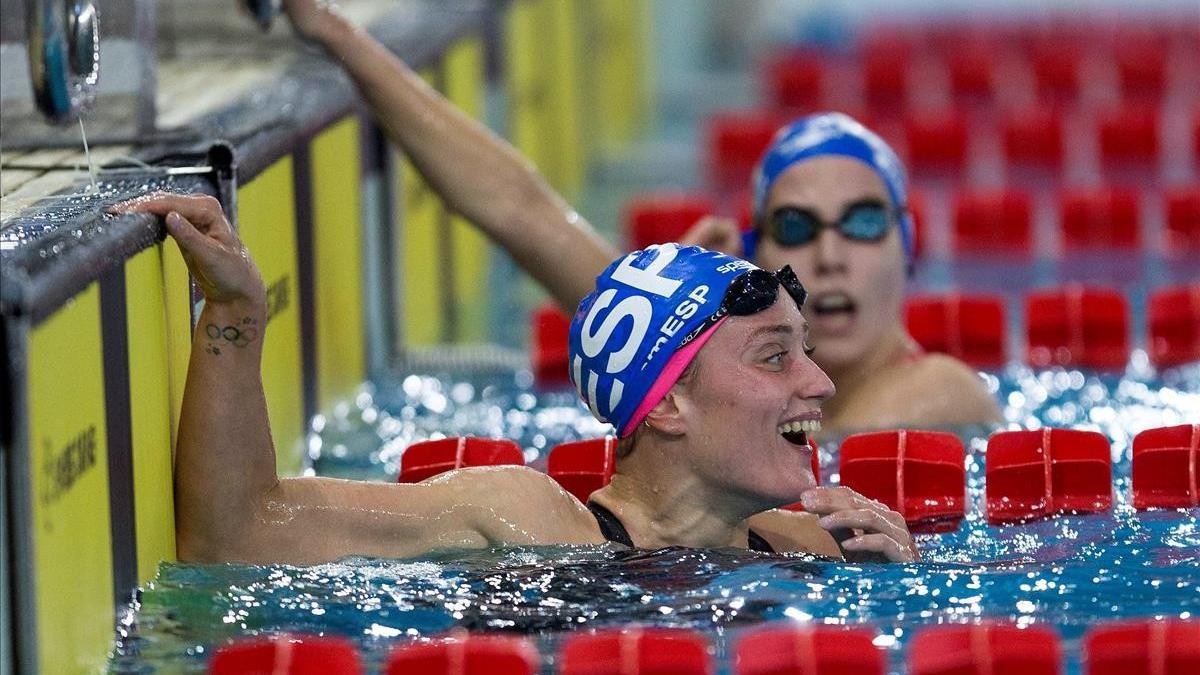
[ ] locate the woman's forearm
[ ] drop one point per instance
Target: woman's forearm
(225, 460)
(475, 172)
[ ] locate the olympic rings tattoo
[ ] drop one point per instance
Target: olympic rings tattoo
(239, 335)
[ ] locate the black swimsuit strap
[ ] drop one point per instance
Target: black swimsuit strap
(613, 530)
(610, 525)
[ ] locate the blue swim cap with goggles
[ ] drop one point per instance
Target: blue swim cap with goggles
(651, 311)
(823, 135)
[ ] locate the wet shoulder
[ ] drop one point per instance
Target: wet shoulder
(525, 506)
(952, 391)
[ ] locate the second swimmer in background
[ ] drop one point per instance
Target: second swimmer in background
(856, 269)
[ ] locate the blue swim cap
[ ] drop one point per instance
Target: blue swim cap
(821, 135)
(647, 306)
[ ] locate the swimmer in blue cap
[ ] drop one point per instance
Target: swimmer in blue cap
(830, 199)
(698, 358)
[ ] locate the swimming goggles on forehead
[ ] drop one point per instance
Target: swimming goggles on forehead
(751, 293)
(861, 221)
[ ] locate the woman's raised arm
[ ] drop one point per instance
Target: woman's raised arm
(475, 172)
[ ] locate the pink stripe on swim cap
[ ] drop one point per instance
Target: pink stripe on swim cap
(668, 377)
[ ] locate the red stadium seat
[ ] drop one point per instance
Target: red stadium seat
(1141, 62)
(971, 66)
(1166, 467)
(1196, 138)
(972, 328)
(1143, 647)
(287, 655)
(936, 140)
(1173, 325)
(429, 458)
(1183, 221)
(1130, 135)
(814, 650)
(1104, 218)
(548, 346)
(1034, 137)
(582, 467)
(984, 649)
(1056, 69)
(793, 81)
(992, 222)
(1035, 474)
(1077, 326)
(886, 68)
(636, 651)
(917, 206)
(662, 217)
(919, 474)
(736, 141)
(466, 655)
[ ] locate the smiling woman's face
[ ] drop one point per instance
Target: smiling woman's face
(856, 288)
(752, 382)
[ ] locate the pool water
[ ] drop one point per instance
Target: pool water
(1069, 572)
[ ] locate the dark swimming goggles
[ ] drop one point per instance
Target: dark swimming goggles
(861, 221)
(751, 293)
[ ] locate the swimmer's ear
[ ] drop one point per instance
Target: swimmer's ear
(666, 417)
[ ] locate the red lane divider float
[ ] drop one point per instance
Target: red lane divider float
(636, 651)
(1143, 648)
(919, 474)
(1099, 219)
(1034, 474)
(661, 217)
(1077, 326)
(992, 222)
(818, 650)
(582, 467)
(287, 655)
(984, 649)
(1173, 322)
(466, 655)
(972, 328)
(1166, 467)
(1183, 220)
(548, 335)
(430, 458)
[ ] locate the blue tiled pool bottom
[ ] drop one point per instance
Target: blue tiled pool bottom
(1069, 572)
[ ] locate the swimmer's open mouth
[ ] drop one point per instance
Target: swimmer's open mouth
(833, 303)
(797, 433)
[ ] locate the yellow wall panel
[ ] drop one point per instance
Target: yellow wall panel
(464, 84)
(424, 320)
(617, 69)
(338, 257)
(69, 467)
(267, 225)
(571, 144)
(150, 411)
(543, 60)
